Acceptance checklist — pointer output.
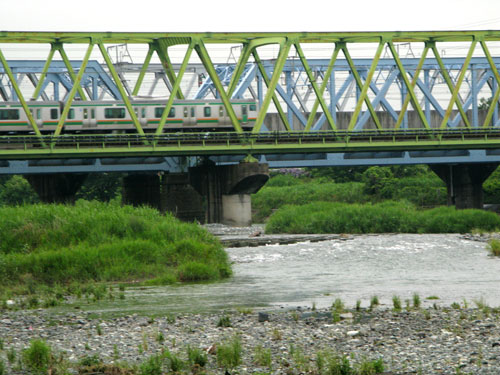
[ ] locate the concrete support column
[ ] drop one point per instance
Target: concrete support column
(141, 190)
(57, 187)
(181, 199)
(226, 190)
(464, 183)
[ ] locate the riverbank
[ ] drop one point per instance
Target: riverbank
(444, 341)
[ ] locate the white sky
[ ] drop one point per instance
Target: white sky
(252, 15)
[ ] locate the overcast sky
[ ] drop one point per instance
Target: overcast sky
(253, 15)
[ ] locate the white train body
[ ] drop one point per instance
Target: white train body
(104, 116)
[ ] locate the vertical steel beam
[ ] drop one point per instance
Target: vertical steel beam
(267, 81)
(175, 88)
(474, 96)
(71, 72)
(496, 94)
(17, 90)
(404, 106)
(278, 68)
(74, 89)
(454, 96)
(364, 88)
(120, 88)
(45, 69)
(207, 63)
(144, 69)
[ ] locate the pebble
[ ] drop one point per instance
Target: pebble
(465, 340)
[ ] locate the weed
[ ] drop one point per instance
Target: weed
(99, 330)
(455, 305)
(171, 319)
(2, 367)
(427, 314)
(1, 344)
(121, 296)
(396, 302)
(358, 305)
(116, 353)
(244, 310)
(276, 334)
(160, 337)
(300, 359)
(432, 297)
(374, 302)
(37, 357)
(338, 306)
(295, 316)
(152, 366)
(262, 356)
(494, 247)
(367, 367)
(89, 361)
(174, 363)
(11, 355)
(197, 358)
(224, 321)
(313, 306)
(229, 353)
(416, 301)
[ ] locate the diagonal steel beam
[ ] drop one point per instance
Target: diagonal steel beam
(71, 72)
(278, 68)
(207, 63)
(364, 88)
(19, 94)
(240, 67)
(144, 70)
(161, 47)
(496, 96)
(267, 81)
(43, 75)
(175, 88)
(74, 89)
(120, 87)
(319, 92)
(454, 96)
(414, 81)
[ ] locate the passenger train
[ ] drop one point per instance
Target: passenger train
(112, 116)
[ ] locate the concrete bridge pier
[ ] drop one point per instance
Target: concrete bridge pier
(464, 182)
(57, 187)
(227, 190)
(180, 198)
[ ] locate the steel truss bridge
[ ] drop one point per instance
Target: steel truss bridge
(388, 109)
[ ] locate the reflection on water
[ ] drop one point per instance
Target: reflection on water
(270, 277)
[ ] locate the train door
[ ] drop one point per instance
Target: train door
(244, 114)
(86, 118)
(189, 116)
(223, 116)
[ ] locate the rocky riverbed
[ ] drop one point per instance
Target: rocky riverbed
(456, 340)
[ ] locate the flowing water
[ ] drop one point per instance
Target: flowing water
(287, 276)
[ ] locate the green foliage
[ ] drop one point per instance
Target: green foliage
(224, 321)
(93, 241)
(491, 188)
(262, 356)
(197, 358)
(152, 366)
(338, 174)
(174, 363)
(396, 303)
(386, 217)
(17, 191)
(37, 357)
(281, 180)
(272, 198)
(2, 367)
(328, 363)
(416, 301)
(494, 247)
(102, 187)
(229, 353)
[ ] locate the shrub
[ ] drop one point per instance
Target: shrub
(196, 357)
(229, 353)
(37, 357)
(262, 356)
(152, 366)
(494, 247)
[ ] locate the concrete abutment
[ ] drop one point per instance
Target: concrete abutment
(57, 187)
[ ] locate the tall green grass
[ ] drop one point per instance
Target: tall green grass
(93, 241)
(386, 217)
(271, 198)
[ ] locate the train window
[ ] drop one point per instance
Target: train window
(136, 111)
(85, 113)
(71, 114)
(172, 112)
(159, 111)
(9, 114)
(192, 111)
(92, 113)
(244, 110)
(185, 111)
(221, 111)
(143, 112)
(54, 113)
(253, 107)
(207, 111)
(114, 112)
(38, 113)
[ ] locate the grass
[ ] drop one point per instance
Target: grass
(396, 302)
(37, 357)
(96, 242)
(229, 353)
(494, 247)
(386, 217)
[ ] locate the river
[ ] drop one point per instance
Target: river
(273, 277)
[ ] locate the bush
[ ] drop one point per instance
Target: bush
(37, 357)
(229, 353)
(386, 217)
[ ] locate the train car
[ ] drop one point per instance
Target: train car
(106, 116)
